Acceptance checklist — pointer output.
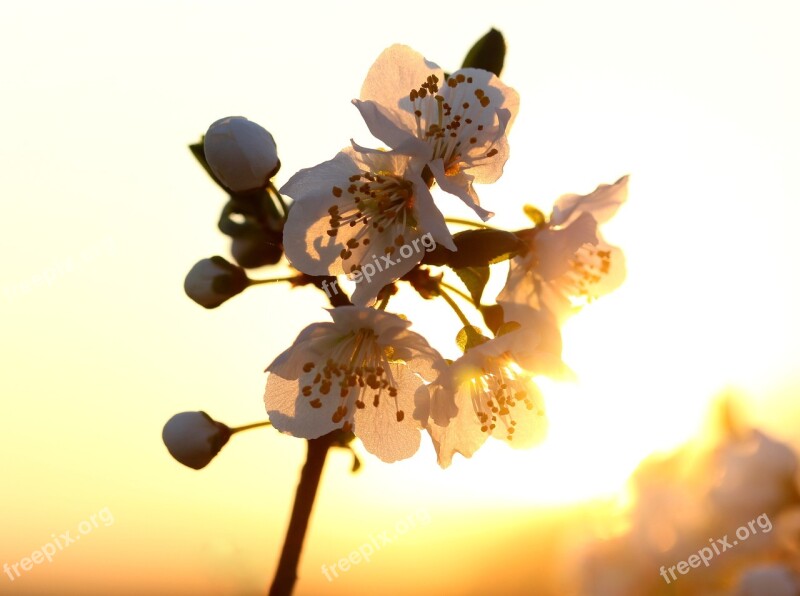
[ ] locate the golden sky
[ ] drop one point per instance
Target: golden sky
(105, 211)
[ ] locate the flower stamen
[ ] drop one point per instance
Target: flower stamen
(381, 201)
(448, 120)
(358, 367)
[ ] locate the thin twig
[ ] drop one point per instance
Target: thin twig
(257, 282)
(249, 426)
(454, 289)
(466, 222)
(455, 307)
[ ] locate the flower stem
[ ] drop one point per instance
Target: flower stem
(454, 289)
(466, 222)
(455, 307)
(384, 302)
(257, 282)
(286, 574)
(249, 426)
(278, 196)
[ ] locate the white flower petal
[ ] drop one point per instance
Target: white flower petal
(602, 203)
(306, 242)
(433, 218)
(501, 95)
(382, 263)
(543, 356)
(462, 120)
(389, 430)
(415, 350)
(484, 168)
(308, 246)
(397, 71)
(383, 125)
(591, 277)
(483, 141)
(568, 263)
(435, 403)
(530, 426)
(396, 161)
(614, 275)
(296, 416)
(463, 432)
(459, 185)
(422, 405)
(362, 214)
(347, 318)
(555, 248)
(319, 179)
(494, 391)
(312, 341)
(361, 371)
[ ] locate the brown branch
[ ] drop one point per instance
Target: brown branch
(286, 574)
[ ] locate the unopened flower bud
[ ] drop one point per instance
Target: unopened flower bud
(212, 281)
(242, 154)
(194, 438)
(257, 249)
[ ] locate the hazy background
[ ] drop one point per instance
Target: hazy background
(105, 210)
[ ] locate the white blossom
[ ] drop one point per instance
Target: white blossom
(490, 391)
(568, 263)
(359, 210)
(358, 372)
(457, 126)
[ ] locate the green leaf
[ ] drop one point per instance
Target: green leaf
(507, 327)
(247, 222)
(200, 156)
(475, 278)
(264, 197)
(477, 248)
(469, 337)
(492, 316)
(488, 53)
(536, 216)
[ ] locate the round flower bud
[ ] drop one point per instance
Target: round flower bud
(212, 281)
(257, 249)
(194, 438)
(242, 154)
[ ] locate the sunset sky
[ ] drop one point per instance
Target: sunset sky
(105, 210)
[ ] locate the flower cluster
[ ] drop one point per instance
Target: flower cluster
(366, 371)
(367, 202)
